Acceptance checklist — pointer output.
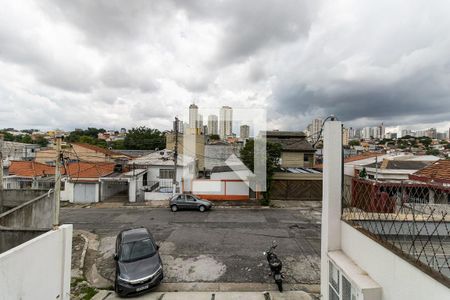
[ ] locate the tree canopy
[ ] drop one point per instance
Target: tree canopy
(144, 138)
(273, 155)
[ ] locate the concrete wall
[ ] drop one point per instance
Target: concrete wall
(12, 198)
(36, 214)
(155, 196)
(398, 278)
(221, 189)
(39, 268)
(10, 238)
(239, 175)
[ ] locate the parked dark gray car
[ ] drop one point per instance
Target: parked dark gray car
(138, 264)
(189, 201)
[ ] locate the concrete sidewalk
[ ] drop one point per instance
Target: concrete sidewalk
(290, 295)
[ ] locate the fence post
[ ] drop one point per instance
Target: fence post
(332, 198)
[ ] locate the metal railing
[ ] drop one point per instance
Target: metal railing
(411, 219)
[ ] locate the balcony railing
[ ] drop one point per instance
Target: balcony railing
(411, 219)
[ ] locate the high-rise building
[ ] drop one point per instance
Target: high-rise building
(200, 121)
(244, 132)
(213, 125)
(345, 136)
(381, 131)
(178, 124)
(193, 116)
(367, 133)
(432, 133)
(226, 122)
(315, 128)
(406, 132)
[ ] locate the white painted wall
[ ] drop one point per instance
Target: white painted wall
(398, 278)
(238, 188)
(39, 268)
(331, 205)
(156, 196)
(240, 174)
(211, 187)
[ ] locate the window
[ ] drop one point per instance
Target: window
(333, 280)
(166, 173)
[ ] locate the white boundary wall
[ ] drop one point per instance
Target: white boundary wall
(397, 277)
(39, 268)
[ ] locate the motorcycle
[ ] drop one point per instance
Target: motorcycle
(275, 265)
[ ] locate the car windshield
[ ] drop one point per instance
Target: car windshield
(137, 250)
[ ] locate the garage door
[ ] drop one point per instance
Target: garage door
(84, 192)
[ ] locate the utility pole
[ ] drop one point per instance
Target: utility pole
(57, 196)
(175, 157)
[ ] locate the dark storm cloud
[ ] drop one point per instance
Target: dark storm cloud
(423, 96)
(249, 26)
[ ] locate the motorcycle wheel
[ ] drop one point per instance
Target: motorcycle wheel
(280, 286)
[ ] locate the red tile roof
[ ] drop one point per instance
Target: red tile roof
(30, 169)
(74, 170)
(89, 170)
(436, 172)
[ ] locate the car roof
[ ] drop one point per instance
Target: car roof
(134, 234)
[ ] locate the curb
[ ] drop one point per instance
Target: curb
(101, 295)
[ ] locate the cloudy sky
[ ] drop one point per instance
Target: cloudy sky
(112, 64)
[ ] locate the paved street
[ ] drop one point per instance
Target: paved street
(222, 245)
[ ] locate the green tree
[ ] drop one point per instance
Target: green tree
(41, 141)
(214, 137)
(119, 144)
(143, 138)
(354, 143)
(273, 155)
(435, 152)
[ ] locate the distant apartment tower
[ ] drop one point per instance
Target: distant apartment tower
(367, 133)
(226, 122)
(178, 126)
(193, 116)
(315, 128)
(345, 136)
(244, 132)
(213, 124)
(199, 121)
(406, 132)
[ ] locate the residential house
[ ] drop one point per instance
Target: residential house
(161, 169)
(18, 151)
(83, 152)
(297, 152)
(437, 172)
(397, 167)
(29, 175)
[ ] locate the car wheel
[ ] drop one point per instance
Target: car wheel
(174, 208)
(202, 208)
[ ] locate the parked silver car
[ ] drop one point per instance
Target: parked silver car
(189, 201)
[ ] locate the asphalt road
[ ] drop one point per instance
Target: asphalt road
(221, 245)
